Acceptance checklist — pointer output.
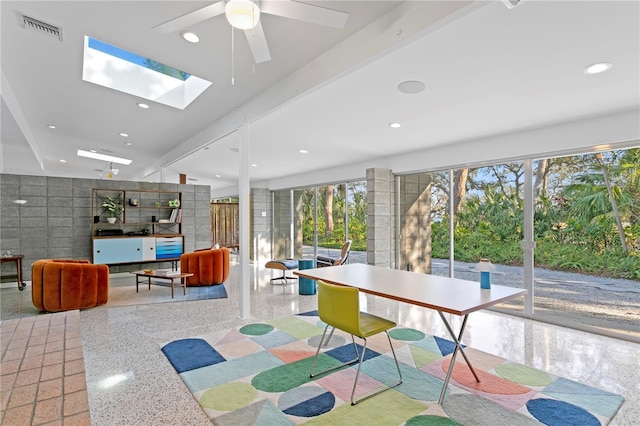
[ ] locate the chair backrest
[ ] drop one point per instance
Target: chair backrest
(339, 307)
(344, 254)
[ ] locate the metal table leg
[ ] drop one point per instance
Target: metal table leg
(458, 348)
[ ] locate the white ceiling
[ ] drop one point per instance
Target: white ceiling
(488, 70)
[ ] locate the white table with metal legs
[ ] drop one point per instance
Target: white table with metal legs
(450, 295)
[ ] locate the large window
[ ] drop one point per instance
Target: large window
(318, 220)
(584, 215)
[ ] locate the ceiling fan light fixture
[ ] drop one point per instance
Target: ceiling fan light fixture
(242, 14)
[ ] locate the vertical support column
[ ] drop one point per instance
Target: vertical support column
(380, 224)
(528, 244)
(244, 203)
(261, 227)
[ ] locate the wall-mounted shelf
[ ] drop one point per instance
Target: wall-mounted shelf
(150, 227)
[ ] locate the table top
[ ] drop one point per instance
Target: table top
(12, 258)
(162, 274)
(452, 295)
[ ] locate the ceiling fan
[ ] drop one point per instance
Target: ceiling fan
(245, 15)
(109, 171)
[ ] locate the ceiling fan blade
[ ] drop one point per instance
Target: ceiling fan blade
(305, 12)
(258, 44)
(191, 18)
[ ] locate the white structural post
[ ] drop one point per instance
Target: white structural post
(243, 191)
(528, 244)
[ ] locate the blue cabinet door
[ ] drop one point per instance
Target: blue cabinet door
(117, 250)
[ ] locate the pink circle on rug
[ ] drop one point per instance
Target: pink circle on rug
(488, 383)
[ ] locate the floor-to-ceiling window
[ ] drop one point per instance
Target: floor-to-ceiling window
(318, 220)
(584, 212)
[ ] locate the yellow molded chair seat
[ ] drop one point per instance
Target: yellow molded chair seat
(339, 307)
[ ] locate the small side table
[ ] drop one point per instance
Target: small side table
(18, 261)
(170, 276)
(306, 286)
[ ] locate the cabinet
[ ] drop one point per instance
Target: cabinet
(148, 229)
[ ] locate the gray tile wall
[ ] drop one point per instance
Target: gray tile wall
(55, 221)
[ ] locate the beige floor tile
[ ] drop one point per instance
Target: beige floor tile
(23, 395)
(73, 367)
(80, 419)
(49, 389)
(75, 403)
(74, 383)
(27, 377)
(53, 358)
(55, 337)
(51, 372)
(54, 346)
(10, 367)
(47, 411)
(73, 354)
(7, 381)
(18, 416)
(37, 340)
(31, 362)
(12, 354)
(4, 398)
(75, 342)
(18, 343)
(34, 350)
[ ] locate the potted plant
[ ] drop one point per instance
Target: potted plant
(114, 207)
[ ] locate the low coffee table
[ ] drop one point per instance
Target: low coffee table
(171, 276)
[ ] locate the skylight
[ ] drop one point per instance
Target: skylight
(118, 69)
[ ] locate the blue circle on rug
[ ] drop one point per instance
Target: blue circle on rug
(256, 329)
(555, 412)
(306, 401)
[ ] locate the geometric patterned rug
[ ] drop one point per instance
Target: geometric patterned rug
(258, 374)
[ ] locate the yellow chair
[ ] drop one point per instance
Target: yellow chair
(339, 307)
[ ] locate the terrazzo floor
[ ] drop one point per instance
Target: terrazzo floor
(130, 382)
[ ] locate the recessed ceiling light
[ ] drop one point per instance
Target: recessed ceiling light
(63, 161)
(143, 105)
(218, 176)
(20, 201)
(254, 165)
(51, 126)
(128, 143)
(303, 151)
(411, 87)
(124, 135)
(394, 125)
(109, 158)
(92, 150)
(597, 68)
(192, 179)
(190, 37)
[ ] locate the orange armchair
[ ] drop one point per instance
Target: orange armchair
(208, 266)
(63, 285)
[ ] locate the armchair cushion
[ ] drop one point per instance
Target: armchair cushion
(208, 266)
(63, 285)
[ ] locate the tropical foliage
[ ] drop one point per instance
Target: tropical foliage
(586, 218)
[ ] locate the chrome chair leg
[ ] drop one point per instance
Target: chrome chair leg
(335, 367)
(376, 391)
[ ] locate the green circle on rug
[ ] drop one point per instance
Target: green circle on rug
(431, 421)
(406, 334)
(256, 329)
(523, 375)
(228, 397)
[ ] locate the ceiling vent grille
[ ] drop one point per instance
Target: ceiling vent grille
(36, 25)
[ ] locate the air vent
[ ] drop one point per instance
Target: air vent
(36, 25)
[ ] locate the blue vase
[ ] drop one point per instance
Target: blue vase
(485, 279)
